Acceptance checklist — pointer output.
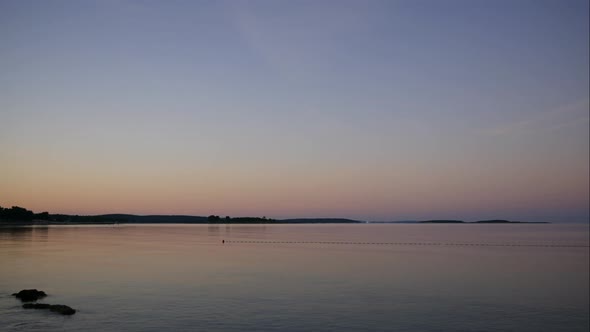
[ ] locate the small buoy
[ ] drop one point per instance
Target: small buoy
(222, 241)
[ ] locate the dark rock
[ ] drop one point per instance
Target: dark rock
(30, 295)
(36, 306)
(58, 308)
(62, 309)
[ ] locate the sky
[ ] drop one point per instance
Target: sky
(372, 110)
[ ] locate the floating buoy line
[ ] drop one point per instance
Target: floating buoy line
(456, 244)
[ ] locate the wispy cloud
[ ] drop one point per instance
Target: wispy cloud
(299, 40)
(566, 116)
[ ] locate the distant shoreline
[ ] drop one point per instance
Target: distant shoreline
(161, 220)
(16, 216)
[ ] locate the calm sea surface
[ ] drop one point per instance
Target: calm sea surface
(182, 278)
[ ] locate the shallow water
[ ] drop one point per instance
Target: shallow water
(182, 277)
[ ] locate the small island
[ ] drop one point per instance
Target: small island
(492, 221)
(452, 221)
(442, 222)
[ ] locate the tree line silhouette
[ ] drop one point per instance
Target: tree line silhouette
(213, 219)
(22, 214)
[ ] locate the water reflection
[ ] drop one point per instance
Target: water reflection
(19, 234)
(213, 230)
(175, 277)
(236, 231)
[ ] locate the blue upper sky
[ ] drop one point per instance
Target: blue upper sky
(364, 109)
